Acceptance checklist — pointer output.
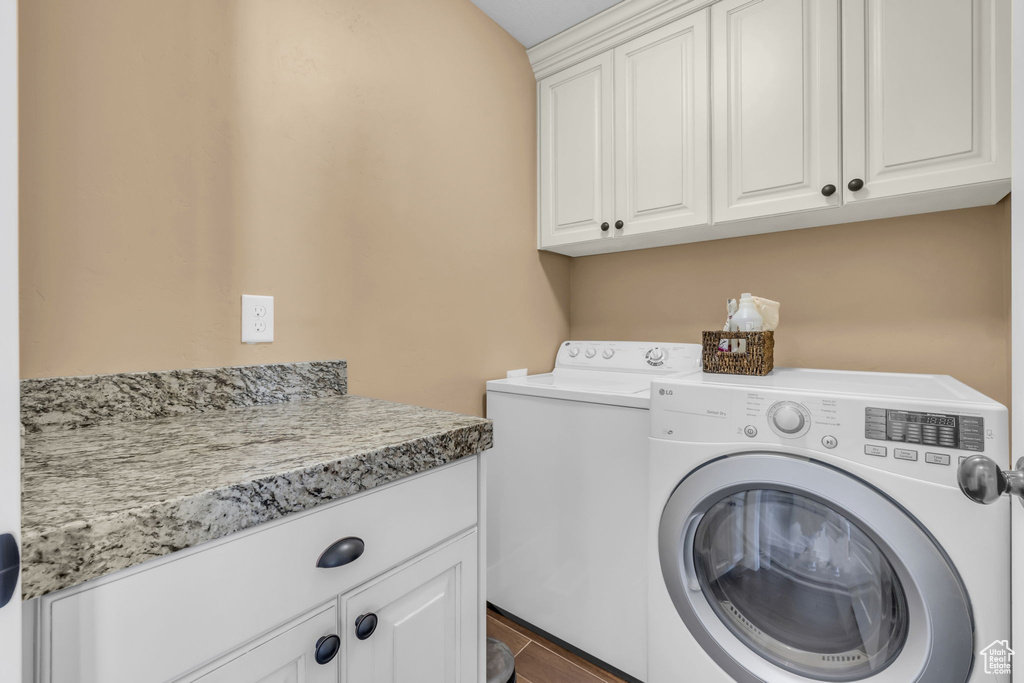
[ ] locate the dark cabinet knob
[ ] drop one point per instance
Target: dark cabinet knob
(10, 567)
(828, 190)
(341, 553)
(327, 649)
(366, 624)
(604, 227)
(618, 225)
(855, 184)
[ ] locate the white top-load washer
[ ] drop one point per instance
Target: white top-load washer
(807, 526)
(567, 496)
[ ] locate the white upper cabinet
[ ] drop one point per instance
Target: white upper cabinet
(576, 124)
(661, 129)
(624, 141)
(926, 97)
(675, 121)
(776, 106)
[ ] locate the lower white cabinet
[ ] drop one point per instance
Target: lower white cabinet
(286, 656)
(253, 606)
(418, 624)
(415, 624)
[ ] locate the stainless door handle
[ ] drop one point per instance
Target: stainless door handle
(982, 481)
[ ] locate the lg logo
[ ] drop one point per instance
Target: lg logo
(665, 392)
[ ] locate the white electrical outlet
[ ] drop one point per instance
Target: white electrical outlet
(257, 319)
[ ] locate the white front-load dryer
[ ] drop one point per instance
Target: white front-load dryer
(807, 526)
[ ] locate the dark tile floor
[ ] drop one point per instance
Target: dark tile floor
(541, 661)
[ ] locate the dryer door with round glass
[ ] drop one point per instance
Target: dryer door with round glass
(786, 569)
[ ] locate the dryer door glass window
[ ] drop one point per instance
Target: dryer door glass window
(801, 584)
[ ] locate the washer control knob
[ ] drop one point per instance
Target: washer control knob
(789, 419)
(608, 353)
(829, 442)
(655, 356)
(750, 430)
(574, 351)
(590, 353)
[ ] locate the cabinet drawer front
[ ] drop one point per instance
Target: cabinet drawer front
(168, 617)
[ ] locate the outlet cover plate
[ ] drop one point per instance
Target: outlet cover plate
(257, 319)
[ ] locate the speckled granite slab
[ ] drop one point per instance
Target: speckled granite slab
(108, 497)
(72, 402)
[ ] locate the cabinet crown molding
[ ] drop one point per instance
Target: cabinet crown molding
(614, 26)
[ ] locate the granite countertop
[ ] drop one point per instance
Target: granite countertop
(110, 496)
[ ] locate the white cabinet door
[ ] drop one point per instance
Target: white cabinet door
(926, 94)
(10, 445)
(286, 656)
(576, 126)
(776, 106)
(426, 621)
(661, 128)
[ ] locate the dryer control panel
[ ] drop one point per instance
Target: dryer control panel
(965, 432)
(922, 438)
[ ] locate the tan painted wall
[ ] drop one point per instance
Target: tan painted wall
(372, 165)
(925, 293)
(369, 163)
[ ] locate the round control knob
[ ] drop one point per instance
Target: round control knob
(656, 356)
(574, 351)
(590, 353)
(789, 419)
(608, 353)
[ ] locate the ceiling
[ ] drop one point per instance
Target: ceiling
(534, 21)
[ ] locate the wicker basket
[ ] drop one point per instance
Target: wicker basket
(758, 359)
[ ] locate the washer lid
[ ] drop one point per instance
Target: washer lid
(591, 381)
(615, 388)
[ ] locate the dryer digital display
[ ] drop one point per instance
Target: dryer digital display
(966, 432)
